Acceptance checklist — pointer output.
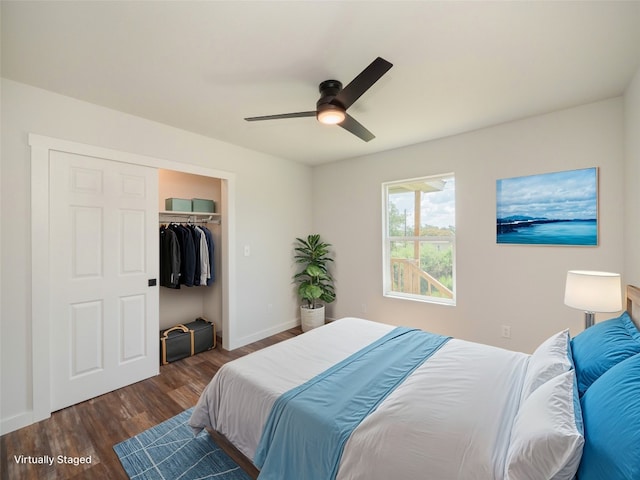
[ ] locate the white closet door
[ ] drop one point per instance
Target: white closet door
(104, 251)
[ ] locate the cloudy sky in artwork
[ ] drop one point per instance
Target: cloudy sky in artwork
(562, 195)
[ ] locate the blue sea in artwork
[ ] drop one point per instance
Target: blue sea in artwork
(558, 208)
(572, 232)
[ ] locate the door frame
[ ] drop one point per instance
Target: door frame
(41, 146)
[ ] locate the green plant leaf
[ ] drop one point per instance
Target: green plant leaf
(310, 292)
(314, 270)
(313, 279)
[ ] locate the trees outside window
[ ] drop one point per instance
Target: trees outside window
(419, 238)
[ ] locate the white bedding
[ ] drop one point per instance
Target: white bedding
(451, 429)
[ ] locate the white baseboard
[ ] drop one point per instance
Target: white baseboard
(254, 337)
(16, 422)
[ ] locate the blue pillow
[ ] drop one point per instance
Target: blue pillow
(611, 414)
(602, 346)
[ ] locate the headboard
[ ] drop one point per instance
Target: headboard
(633, 303)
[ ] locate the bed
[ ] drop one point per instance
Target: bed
(350, 400)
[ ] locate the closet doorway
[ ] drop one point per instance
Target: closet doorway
(45, 151)
(185, 304)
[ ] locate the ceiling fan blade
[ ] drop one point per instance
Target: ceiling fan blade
(352, 125)
(282, 115)
(363, 82)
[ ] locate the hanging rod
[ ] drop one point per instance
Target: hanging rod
(189, 217)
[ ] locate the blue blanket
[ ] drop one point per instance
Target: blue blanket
(308, 426)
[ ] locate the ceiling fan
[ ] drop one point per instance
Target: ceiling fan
(331, 108)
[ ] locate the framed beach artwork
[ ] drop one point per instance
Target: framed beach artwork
(558, 208)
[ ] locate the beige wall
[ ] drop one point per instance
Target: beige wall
(272, 201)
(520, 286)
(632, 178)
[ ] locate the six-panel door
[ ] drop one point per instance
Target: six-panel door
(104, 250)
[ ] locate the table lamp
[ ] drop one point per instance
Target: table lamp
(593, 292)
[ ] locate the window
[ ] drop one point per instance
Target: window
(419, 239)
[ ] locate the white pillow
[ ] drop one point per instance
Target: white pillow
(547, 436)
(549, 360)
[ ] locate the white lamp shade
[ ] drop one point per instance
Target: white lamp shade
(593, 291)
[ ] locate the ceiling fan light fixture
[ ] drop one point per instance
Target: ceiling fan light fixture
(331, 108)
(331, 115)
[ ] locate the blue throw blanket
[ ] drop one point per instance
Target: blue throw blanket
(308, 426)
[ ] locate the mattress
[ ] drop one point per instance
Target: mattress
(452, 429)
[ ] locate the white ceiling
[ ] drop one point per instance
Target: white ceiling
(204, 66)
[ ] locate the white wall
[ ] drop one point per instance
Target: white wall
(272, 201)
(632, 177)
(520, 286)
(515, 285)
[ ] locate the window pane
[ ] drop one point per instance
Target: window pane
(420, 238)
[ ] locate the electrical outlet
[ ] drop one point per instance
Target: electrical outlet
(506, 331)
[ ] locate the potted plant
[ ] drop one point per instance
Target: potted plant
(314, 281)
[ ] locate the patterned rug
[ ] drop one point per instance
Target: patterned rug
(169, 451)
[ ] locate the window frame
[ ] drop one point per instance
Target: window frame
(387, 287)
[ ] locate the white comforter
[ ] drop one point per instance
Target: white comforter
(450, 419)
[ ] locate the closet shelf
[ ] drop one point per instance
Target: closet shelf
(206, 217)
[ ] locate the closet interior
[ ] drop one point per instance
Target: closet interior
(185, 304)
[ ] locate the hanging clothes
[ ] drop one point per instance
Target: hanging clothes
(211, 247)
(204, 257)
(195, 237)
(169, 258)
(187, 253)
(186, 256)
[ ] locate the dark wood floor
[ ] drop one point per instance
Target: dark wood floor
(94, 426)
